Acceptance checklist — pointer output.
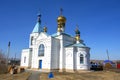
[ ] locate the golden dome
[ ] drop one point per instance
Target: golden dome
(61, 19)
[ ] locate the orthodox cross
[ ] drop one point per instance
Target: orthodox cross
(61, 11)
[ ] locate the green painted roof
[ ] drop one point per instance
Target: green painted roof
(55, 34)
(79, 45)
(76, 45)
(37, 28)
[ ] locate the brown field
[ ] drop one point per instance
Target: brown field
(99, 75)
(3, 68)
(20, 76)
(4, 75)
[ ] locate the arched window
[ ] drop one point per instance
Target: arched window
(81, 59)
(41, 50)
(24, 59)
(31, 40)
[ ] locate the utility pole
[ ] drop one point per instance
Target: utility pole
(15, 57)
(8, 51)
(107, 54)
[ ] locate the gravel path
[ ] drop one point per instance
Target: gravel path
(35, 75)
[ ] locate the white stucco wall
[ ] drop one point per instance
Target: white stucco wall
(25, 53)
(64, 40)
(72, 58)
(69, 58)
(56, 55)
(47, 53)
(55, 51)
(60, 37)
(86, 55)
(46, 41)
(35, 36)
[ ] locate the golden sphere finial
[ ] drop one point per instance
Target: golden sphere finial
(45, 29)
(77, 38)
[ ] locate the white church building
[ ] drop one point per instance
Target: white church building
(59, 51)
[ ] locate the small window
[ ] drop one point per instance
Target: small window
(81, 59)
(24, 59)
(41, 50)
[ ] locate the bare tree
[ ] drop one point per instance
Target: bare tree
(3, 67)
(2, 57)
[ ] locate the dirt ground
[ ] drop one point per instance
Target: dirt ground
(99, 75)
(20, 76)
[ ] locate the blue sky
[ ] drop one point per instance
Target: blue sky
(98, 20)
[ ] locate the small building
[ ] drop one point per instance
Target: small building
(118, 64)
(109, 64)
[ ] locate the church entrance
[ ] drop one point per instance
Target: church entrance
(40, 64)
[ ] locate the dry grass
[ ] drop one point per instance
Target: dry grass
(20, 76)
(100, 75)
(4, 75)
(3, 68)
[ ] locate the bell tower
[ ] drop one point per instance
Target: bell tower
(36, 31)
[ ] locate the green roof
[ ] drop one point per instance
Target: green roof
(37, 28)
(55, 34)
(76, 45)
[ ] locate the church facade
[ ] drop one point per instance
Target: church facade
(59, 51)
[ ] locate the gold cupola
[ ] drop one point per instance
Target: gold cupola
(61, 20)
(77, 37)
(45, 29)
